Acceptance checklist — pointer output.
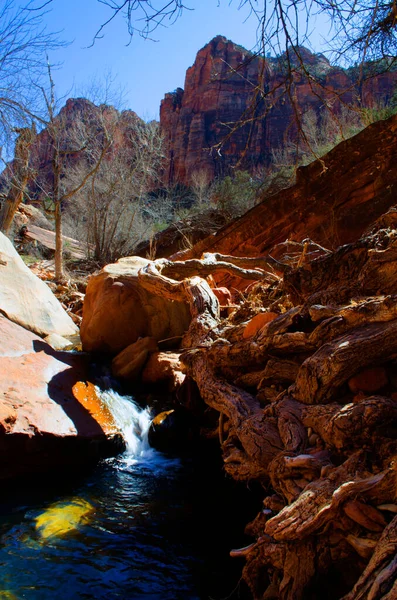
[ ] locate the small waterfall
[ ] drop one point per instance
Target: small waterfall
(134, 423)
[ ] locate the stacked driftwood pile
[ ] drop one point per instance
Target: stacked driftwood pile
(307, 400)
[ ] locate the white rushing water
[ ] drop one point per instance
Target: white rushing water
(134, 422)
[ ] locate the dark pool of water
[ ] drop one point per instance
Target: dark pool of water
(158, 530)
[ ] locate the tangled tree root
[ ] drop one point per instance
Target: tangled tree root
(308, 407)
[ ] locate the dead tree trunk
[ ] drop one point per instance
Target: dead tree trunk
(19, 177)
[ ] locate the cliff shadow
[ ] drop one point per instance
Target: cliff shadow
(61, 389)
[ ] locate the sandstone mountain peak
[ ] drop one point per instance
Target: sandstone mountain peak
(229, 85)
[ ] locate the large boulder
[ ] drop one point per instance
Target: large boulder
(118, 310)
(49, 416)
(129, 363)
(27, 300)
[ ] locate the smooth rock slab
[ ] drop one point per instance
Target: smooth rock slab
(48, 416)
(27, 300)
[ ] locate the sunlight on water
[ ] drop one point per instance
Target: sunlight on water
(136, 527)
(62, 517)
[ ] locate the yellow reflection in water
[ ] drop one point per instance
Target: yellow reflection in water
(6, 595)
(62, 517)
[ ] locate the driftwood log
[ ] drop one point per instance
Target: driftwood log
(307, 407)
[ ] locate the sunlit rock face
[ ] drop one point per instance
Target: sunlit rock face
(118, 310)
(49, 417)
(333, 202)
(27, 300)
(221, 89)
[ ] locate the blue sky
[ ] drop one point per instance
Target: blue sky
(144, 68)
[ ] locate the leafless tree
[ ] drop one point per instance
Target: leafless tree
(23, 44)
(200, 183)
(17, 173)
(66, 142)
(110, 212)
(366, 28)
(142, 16)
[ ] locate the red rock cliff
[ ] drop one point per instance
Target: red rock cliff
(221, 88)
(79, 124)
(332, 202)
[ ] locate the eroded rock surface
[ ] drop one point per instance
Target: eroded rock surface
(164, 367)
(221, 89)
(118, 310)
(333, 201)
(129, 363)
(49, 418)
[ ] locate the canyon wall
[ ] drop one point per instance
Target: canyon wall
(81, 130)
(228, 84)
(235, 110)
(333, 201)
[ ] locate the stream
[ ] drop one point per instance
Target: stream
(138, 526)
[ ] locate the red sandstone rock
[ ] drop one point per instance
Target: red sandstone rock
(258, 322)
(47, 419)
(219, 90)
(118, 310)
(224, 296)
(129, 362)
(370, 380)
(164, 366)
(333, 201)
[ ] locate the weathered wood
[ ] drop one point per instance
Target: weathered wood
(336, 321)
(379, 579)
(208, 266)
(290, 475)
(250, 380)
(359, 311)
(276, 371)
(290, 426)
(281, 324)
(256, 433)
(244, 262)
(204, 308)
(252, 352)
(281, 370)
(368, 266)
(340, 267)
(347, 427)
(321, 375)
(325, 454)
(153, 280)
(321, 500)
